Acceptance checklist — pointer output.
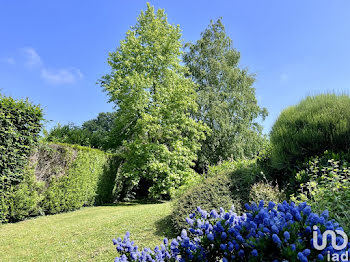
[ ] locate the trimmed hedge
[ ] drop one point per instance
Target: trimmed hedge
(64, 177)
(20, 125)
(316, 124)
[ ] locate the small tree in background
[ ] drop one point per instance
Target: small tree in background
(95, 133)
(226, 98)
(157, 136)
(99, 130)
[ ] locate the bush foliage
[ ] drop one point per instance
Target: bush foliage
(63, 178)
(226, 184)
(88, 179)
(316, 124)
(20, 124)
(214, 192)
(326, 186)
(265, 190)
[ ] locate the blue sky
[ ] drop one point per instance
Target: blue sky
(53, 52)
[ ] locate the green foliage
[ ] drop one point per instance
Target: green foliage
(69, 134)
(228, 183)
(316, 124)
(99, 130)
(153, 129)
(20, 124)
(265, 190)
(213, 193)
(24, 198)
(327, 187)
(94, 133)
(189, 182)
(226, 98)
(88, 179)
(61, 178)
(243, 174)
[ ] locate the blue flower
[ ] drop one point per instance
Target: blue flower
(210, 237)
(286, 235)
(276, 239)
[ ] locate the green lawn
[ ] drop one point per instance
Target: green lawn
(84, 235)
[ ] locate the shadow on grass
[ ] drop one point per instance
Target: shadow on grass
(135, 202)
(164, 227)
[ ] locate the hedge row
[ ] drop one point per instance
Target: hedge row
(62, 177)
(20, 125)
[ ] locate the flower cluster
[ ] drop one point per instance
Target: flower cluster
(282, 232)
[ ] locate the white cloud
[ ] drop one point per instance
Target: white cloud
(61, 76)
(9, 60)
(32, 57)
(66, 75)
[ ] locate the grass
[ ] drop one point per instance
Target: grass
(85, 234)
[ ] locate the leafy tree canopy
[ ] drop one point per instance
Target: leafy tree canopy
(226, 98)
(153, 97)
(94, 133)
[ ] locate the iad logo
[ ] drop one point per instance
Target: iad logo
(344, 256)
(333, 236)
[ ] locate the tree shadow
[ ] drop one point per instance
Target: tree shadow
(135, 202)
(164, 227)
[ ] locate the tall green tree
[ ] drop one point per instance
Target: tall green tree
(226, 98)
(99, 130)
(95, 133)
(153, 98)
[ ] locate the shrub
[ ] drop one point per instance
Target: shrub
(316, 124)
(87, 178)
(266, 191)
(327, 186)
(242, 173)
(24, 198)
(262, 234)
(20, 124)
(225, 184)
(189, 183)
(214, 192)
(61, 177)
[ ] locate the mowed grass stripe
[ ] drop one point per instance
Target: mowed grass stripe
(85, 234)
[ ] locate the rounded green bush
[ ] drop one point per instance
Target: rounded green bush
(316, 124)
(265, 190)
(213, 193)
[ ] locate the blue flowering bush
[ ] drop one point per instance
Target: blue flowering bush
(273, 233)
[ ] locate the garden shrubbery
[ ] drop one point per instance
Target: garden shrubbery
(282, 233)
(62, 178)
(88, 179)
(326, 185)
(267, 191)
(214, 192)
(20, 124)
(231, 182)
(316, 124)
